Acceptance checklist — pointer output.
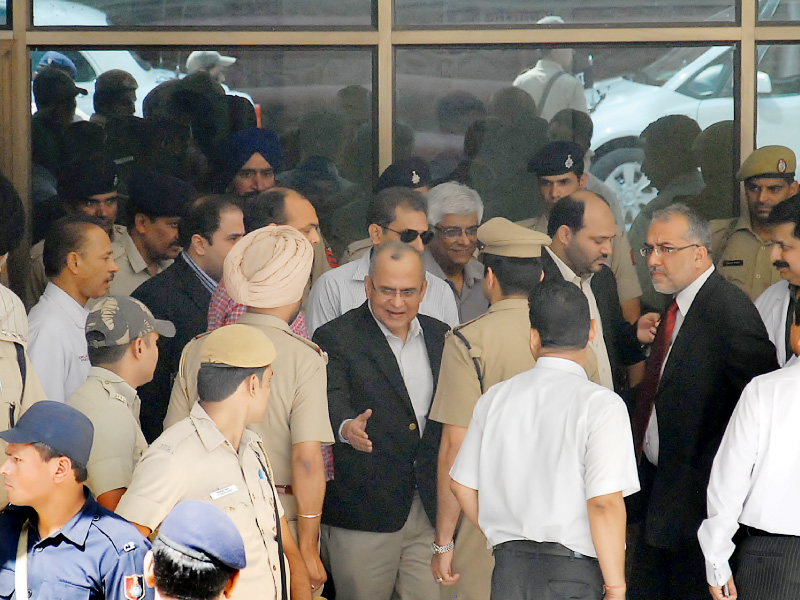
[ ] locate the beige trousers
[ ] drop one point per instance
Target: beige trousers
(372, 566)
(474, 562)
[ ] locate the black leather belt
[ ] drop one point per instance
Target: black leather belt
(550, 548)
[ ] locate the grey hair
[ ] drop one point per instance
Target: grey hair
(453, 198)
(397, 250)
(699, 229)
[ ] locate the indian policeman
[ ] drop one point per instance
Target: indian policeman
(559, 167)
(477, 355)
(19, 385)
(197, 554)
(776, 305)
(56, 541)
(742, 246)
(267, 271)
(121, 334)
(558, 531)
(212, 456)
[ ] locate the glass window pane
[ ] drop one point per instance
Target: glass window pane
(779, 10)
(211, 13)
(318, 102)
(778, 86)
(457, 108)
(462, 13)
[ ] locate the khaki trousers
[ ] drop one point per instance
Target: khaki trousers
(290, 513)
(474, 562)
(372, 566)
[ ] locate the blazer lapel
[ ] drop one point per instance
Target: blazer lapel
(192, 286)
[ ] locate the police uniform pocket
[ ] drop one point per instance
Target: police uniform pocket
(6, 583)
(62, 590)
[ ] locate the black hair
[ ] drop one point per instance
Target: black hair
(202, 217)
(185, 577)
(382, 210)
(49, 453)
(559, 311)
(787, 211)
(516, 276)
(566, 211)
(67, 234)
(216, 382)
(265, 208)
(108, 355)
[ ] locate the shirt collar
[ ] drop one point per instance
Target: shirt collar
(207, 429)
(473, 270)
(76, 312)
(509, 304)
(208, 282)
(686, 296)
(414, 328)
(250, 318)
(561, 364)
(76, 530)
(120, 385)
(362, 266)
(132, 252)
(566, 272)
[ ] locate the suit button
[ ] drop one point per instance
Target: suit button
(413, 426)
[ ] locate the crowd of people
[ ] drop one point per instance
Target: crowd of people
(295, 386)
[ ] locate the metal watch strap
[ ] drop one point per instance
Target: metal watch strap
(443, 549)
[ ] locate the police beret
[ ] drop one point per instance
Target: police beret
(501, 237)
(157, 195)
(238, 346)
(556, 158)
(66, 430)
(87, 177)
(413, 172)
(202, 531)
(115, 79)
(51, 58)
(769, 161)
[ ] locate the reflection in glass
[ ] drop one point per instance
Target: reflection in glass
(778, 87)
(211, 13)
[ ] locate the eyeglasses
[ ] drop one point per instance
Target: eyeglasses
(409, 235)
(453, 233)
(390, 293)
(663, 250)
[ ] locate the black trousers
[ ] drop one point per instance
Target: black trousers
(660, 574)
(768, 568)
(526, 570)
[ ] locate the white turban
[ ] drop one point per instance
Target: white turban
(269, 267)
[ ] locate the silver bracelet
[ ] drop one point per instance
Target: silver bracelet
(443, 549)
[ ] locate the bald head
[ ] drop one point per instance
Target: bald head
(582, 227)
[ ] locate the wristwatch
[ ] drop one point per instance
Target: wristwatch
(443, 549)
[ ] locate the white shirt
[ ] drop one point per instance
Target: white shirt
(57, 343)
(598, 344)
(684, 300)
(342, 289)
(538, 447)
(773, 306)
(566, 92)
(754, 478)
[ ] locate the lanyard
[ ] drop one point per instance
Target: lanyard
(21, 565)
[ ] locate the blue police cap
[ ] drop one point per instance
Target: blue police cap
(557, 158)
(87, 177)
(55, 59)
(65, 429)
(200, 530)
(157, 195)
(413, 172)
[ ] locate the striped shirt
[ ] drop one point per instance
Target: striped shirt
(342, 289)
(208, 282)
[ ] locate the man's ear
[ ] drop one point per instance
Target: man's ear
(375, 233)
(592, 330)
(63, 469)
(564, 235)
(198, 243)
(149, 570)
(140, 222)
(582, 180)
(535, 343)
(231, 584)
(367, 285)
(73, 260)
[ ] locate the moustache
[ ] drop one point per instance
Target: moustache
(780, 264)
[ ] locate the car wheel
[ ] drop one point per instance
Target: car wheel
(621, 170)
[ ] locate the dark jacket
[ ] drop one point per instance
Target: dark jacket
(721, 345)
(373, 491)
(176, 294)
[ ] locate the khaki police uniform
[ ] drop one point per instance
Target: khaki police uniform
(132, 267)
(298, 404)
(356, 250)
(193, 461)
(113, 408)
(621, 263)
(39, 279)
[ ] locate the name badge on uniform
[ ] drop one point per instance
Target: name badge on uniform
(222, 492)
(732, 263)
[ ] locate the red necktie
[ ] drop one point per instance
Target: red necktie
(652, 373)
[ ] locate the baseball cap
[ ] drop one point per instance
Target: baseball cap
(202, 531)
(207, 59)
(63, 428)
(53, 84)
(121, 319)
(238, 346)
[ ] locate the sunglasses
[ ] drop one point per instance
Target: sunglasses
(409, 235)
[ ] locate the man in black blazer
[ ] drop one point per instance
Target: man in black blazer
(181, 294)
(710, 344)
(582, 227)
(383, 365)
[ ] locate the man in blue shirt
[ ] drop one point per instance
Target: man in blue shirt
(75, 548)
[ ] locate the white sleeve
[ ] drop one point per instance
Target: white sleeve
(323, 300)
(466, 467)
(729, 486)
(49, 360)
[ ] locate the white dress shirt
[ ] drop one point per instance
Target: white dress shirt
(538, 447)
(754, 480)
(684, 300)
(598, 344)
(342, 289)
(57, 343)
(773, 306)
